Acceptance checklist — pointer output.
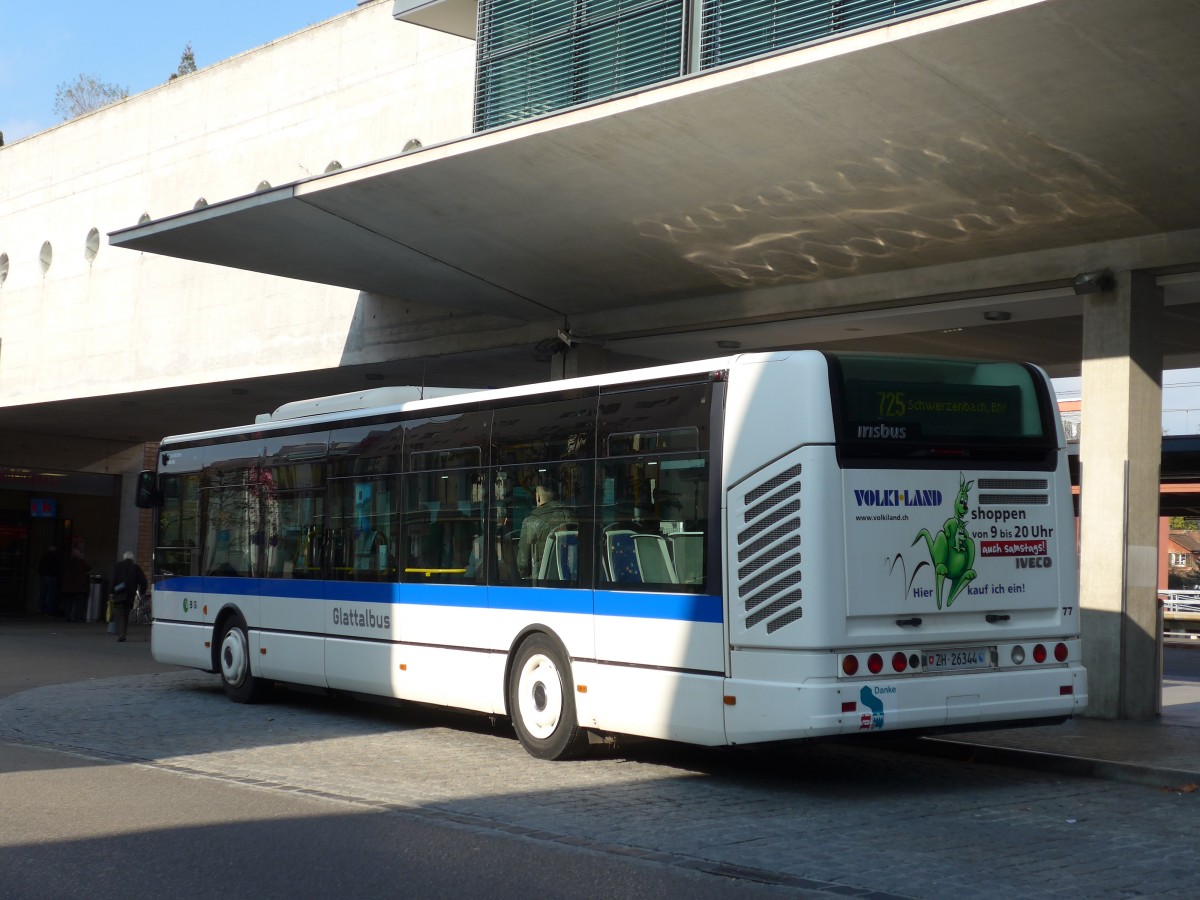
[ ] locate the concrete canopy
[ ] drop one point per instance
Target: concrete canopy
(983, 132)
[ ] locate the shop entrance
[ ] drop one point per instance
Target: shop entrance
(40, 510)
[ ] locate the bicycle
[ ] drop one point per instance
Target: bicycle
(142, 612)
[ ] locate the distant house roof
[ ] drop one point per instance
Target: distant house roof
(1188, 540)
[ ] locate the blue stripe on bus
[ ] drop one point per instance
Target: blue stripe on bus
(546, 599)
(623, 604)
(682, 607)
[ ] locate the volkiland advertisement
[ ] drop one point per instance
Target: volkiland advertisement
(934, 542)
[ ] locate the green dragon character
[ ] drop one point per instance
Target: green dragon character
(953, 550)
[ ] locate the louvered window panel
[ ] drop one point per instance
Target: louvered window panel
(535, 56)
(738, 29)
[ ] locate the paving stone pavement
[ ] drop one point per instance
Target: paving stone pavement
(821, 818)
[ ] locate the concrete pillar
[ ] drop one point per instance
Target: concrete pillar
(1120, 451)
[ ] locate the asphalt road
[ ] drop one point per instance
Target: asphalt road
(122, 778)
(78, 827)
(1182, 662)
(75, 823)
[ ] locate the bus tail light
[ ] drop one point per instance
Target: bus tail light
(899, 661)
(1039, 653)
(850, 665)
(874, 663)
(1060, 652)
(1018, 655)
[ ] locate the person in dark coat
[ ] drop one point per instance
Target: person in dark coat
(128, 580)
(549, 513)
(75, 587)
(49, 571)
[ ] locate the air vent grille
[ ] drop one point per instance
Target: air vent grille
(1013, 484)
(768, 551)
(1013, 499)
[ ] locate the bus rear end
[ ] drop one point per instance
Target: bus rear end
(906, 557)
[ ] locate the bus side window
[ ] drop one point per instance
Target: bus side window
(543, 450)
(443, 525)
(232, 532)
(295, 539)
(652, 488)
(178, 550)
(547, 547)
(290, 486)
(444, 496)
(364, 529)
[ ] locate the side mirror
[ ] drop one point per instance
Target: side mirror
(148, 494)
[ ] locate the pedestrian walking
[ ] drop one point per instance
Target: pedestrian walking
(128, 580)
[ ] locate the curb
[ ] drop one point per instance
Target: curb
(1041, 761)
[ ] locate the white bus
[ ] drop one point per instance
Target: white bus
(765, 547)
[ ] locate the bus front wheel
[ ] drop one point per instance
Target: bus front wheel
(234, 657)
(541, 700)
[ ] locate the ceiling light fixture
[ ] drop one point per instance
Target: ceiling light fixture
(997, 315)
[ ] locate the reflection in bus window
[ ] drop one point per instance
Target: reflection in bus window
(232, 533)
(443, 525)
(178, 550)
(365, 450)
(364, 529)
(294, 538)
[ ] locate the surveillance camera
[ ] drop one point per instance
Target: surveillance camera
(1093, 282)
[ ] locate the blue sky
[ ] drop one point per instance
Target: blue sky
(132, 43)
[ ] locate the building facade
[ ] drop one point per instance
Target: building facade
(88, 332)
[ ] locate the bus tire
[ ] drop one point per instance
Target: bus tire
(233, 656)
(541, 701)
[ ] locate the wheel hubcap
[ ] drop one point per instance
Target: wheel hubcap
(234, 659)
(540, 696)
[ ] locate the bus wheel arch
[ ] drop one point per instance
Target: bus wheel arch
(232, 658)
(540, 697)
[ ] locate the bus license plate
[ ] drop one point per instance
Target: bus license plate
(945, 660)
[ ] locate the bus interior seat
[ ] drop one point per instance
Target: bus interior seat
(636, 558)
(505, 555)
(560, 556)
(654, 558)
(687, 554)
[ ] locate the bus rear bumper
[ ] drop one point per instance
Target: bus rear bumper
(758, 711)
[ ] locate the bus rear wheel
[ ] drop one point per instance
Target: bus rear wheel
(233, 653)
(541, 701)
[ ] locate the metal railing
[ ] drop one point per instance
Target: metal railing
(1180, 614)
